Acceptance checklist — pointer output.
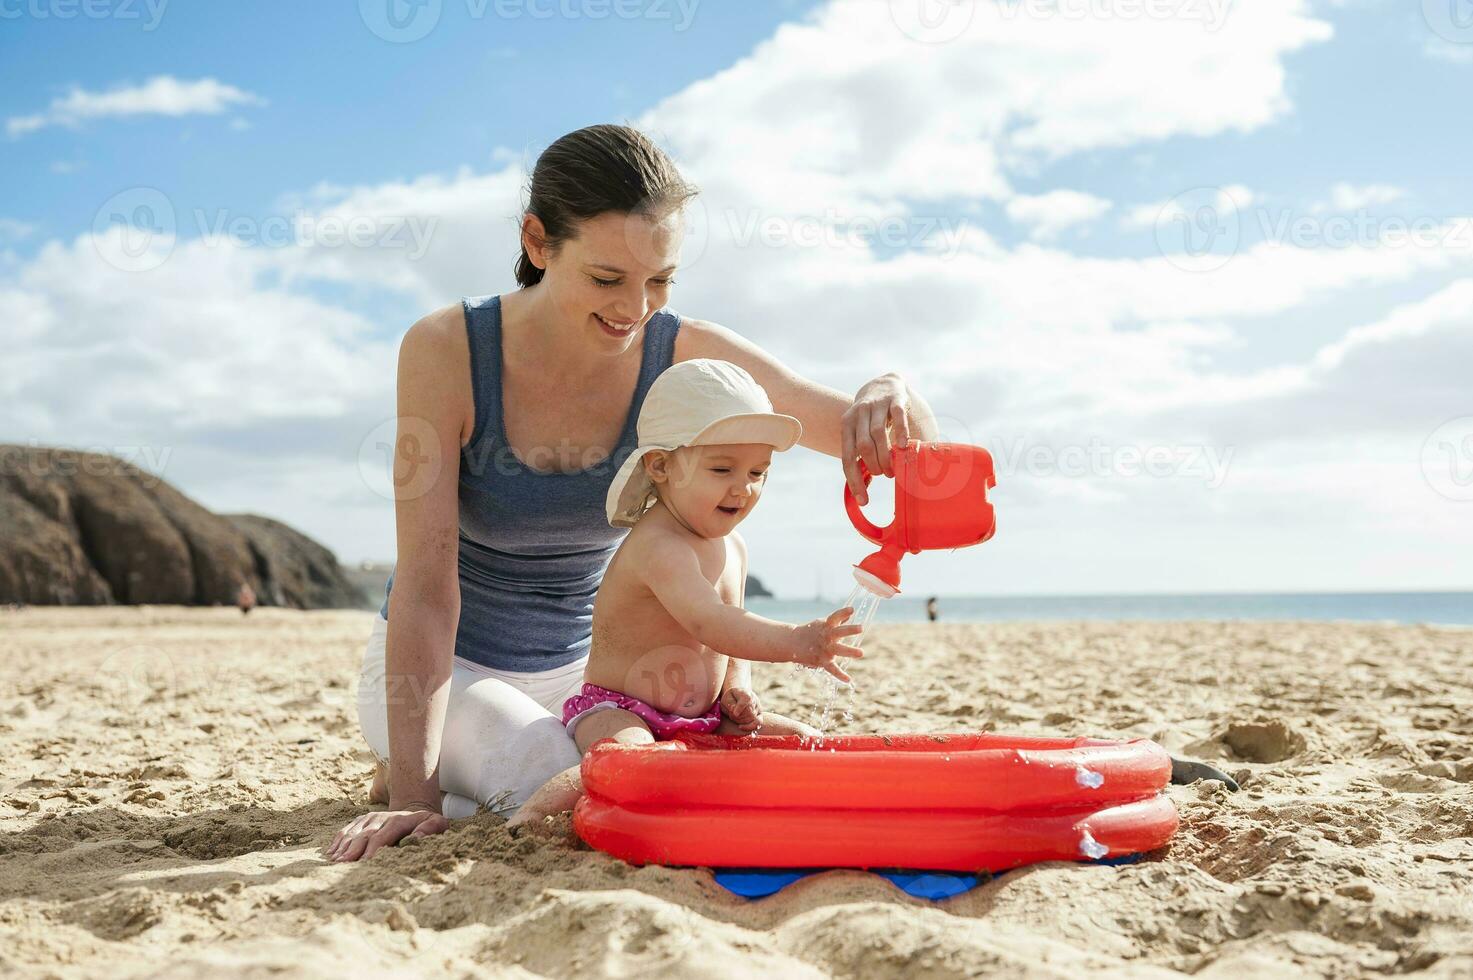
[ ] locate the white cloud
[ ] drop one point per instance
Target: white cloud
(1046, 215)
(253, 396)
(12, 230)
(1028, 343)
(1456, 54)
(162, 95)
(1232, 199)
(1400, 375)
(471, 234)
(865, 131)
(199, 344)
(1353, 197)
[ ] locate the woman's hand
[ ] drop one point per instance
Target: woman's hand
(382, 828)
(871, 426)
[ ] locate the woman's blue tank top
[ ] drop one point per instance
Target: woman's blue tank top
(533, 544)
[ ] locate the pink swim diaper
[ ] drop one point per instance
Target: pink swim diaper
(664, 725)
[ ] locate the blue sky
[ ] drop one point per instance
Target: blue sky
(1069, 144)
(342, 105)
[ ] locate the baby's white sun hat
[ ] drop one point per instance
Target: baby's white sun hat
(702, 402)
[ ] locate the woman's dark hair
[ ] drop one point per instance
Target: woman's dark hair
(593, 170)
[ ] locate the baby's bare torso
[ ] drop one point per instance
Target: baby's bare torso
(638, 648)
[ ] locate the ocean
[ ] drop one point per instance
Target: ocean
(1443, 608)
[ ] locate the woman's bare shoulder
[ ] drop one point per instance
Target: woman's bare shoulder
(441, 332)
(434, 371)
(703, 338)
(706, 338)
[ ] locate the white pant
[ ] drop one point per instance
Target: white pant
(503, 736)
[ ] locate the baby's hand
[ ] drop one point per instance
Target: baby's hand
(742, 708)
(816, 644)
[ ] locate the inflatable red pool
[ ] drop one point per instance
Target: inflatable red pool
(971, 802)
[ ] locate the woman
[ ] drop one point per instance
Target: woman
(502, 541)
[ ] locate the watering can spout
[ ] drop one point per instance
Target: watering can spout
(884, 565)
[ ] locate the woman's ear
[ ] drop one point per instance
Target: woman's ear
(534, 239)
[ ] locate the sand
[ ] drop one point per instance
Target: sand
(169, 774)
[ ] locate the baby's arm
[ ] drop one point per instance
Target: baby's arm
(673, 574)
(738, 674)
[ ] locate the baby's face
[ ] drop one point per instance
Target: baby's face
(714, 488)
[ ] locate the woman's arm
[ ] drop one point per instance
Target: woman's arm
(885, 412)
(424, 605)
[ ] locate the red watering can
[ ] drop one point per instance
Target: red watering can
(940, 503)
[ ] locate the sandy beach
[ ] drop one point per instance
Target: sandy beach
(169, 775)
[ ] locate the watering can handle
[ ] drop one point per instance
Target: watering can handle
(861, 523)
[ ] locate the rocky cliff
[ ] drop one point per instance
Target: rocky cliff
(79, 528)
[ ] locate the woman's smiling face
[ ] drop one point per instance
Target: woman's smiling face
(614, 274)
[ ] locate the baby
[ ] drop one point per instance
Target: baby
(672, 645)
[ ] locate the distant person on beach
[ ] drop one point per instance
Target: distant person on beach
(245, 598)
(515, 413)
(672, 644)
(931, 612)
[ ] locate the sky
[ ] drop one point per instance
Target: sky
(1197, 273)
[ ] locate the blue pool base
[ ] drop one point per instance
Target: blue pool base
(931, 885)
